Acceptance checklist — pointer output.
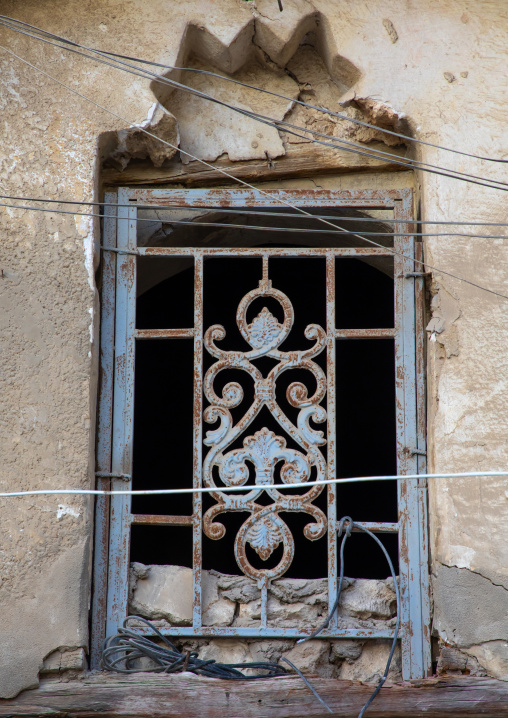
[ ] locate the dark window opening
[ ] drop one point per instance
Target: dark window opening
(365, 380)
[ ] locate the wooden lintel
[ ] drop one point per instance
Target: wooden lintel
(189, 696)
(302, 160)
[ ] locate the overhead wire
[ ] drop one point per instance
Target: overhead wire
(338, 143)
(260, 228)
(252, 87)
(277, 198)
(250, 211)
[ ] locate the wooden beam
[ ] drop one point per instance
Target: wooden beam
(189, 696)
(302, 160)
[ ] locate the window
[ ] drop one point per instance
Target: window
(266, 357)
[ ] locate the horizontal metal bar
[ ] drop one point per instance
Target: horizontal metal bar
(364, 333)
(163, 333)
(160, 520)
(257, 252)
(377, 526)
(183, 197)
(220, 631)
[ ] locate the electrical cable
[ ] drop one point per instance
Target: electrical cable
(347, 524)
(243, 84)
(279, 199)
(126, 647)
(218, 489)
(307, 683)
(342, 144)
(249, 211)
(260, 228)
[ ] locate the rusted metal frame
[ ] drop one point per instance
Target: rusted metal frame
(331, 435)
(197, 499)
(268, 632)
(196, 629)
(364, 333)
(177, 520)
(163, 333)
(160, 520)
(104, 429)
(204, 198)
(378, 526)
(410, 550)
(123, 417)
(255, 252)
(421, 457)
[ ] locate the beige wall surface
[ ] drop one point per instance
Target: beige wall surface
(441, 65)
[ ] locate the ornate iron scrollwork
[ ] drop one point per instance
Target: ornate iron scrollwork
(264, 530)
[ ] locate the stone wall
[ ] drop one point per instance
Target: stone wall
(440, 65)
(163, 594)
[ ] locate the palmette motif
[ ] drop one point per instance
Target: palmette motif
(264, 530)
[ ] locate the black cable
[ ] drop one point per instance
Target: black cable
(249, 211)
(122, 650)
(252, 87)
(344, 145)
(260, 228)
(347, 524)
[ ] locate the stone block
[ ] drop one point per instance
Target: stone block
(65, 660)
(469, 609)
(370, 665)
(217, 610)
(312, 657)
(346, 650)
(166, 592)
(366, 598)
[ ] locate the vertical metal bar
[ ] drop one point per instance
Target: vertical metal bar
(123, 416)
(408, 492)
(197, 517)
(104, 419)
(421, 423)
(331, 431)
(264, 604)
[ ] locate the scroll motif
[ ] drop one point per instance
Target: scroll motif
(264, 530)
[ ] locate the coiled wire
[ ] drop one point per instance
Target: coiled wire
(123, 651)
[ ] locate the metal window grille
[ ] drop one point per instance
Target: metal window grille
(264, 334)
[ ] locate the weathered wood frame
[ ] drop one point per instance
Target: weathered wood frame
(188, 696)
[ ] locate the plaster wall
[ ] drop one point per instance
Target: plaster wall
(444, 72)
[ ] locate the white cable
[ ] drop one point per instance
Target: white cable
(251, 487)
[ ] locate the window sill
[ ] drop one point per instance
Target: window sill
(104, 695)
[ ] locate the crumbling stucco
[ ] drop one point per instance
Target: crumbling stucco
(461, 593)
(52, 145)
